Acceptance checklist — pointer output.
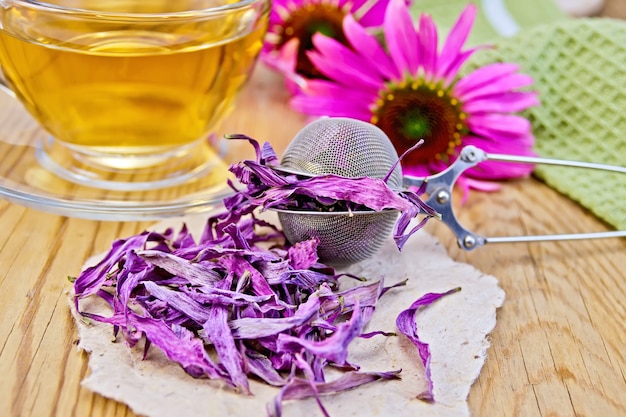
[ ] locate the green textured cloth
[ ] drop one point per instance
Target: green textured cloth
(579, 67)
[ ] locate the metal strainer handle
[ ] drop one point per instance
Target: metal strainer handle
(439, 191)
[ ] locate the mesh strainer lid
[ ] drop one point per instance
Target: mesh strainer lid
(579, 67)
(346, 147)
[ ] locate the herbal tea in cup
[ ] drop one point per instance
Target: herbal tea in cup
(128, 84)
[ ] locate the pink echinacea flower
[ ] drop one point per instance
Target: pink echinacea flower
(293, 23)
(412, 90)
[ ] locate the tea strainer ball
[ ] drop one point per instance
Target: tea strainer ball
(349, 148)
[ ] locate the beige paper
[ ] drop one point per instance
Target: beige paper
(456, 328)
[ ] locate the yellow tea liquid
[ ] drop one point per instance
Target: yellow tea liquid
(129, 90)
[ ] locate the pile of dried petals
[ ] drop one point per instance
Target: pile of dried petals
(241, 303)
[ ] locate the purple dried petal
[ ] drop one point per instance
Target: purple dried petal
(240, 267)
(369, 192)
(239, 241)
(184, 239)
(255, 328)
(180, 345)
(367, 296)
(396, 285)
(406, 324)
(161, 310)
(334, 347)
(303, 279)
(414, 198)
(128, 280)
(209, 252)
(268, 156)
(299, 388)
(262, 367)
(311, 376)
(180, 301)
(303, 255)
(196, 273)
(263, 303)
(114, 320)
(272, 271)
(217, 330)
(92, 278)
(400, 235)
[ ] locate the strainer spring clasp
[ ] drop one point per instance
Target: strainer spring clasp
(439, 191)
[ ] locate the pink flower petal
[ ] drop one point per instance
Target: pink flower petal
(354, 4)
(370, 13)
(466, 184)
(344, 57)
(497, 169)
(428, 43)
(518, 144)
(456, 39)
(369, 47)
(510, 102)
(486, 124)
(484, 76)
(511, 145)
(333, 67)
(487, 186)
(358, 101)
(284, 62)
(339, 92)
(494, 170)
(504, 84)
(280, 12)
(424, 170)
(401, 38)
(458, 63)
(328, 106)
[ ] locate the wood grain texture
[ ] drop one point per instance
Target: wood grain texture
(558, 348)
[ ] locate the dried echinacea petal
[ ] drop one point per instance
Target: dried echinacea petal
(406, 324)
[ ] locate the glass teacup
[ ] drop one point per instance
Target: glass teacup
(127, 87)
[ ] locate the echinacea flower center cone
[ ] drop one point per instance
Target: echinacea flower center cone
(415, 111)
(306, 21)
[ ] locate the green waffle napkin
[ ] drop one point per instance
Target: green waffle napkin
(579, 67)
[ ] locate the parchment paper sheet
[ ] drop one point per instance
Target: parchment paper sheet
(456, 328)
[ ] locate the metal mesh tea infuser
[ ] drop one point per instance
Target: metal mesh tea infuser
(352, 148)
(347, 148)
